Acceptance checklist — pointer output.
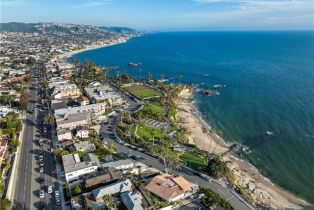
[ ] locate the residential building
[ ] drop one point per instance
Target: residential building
(82, 132)
(109, 175)
(74, 168)
(84, 146)
(83, 100)
(134, 200)
(62, 94)
(118, 187)
(119, 164)
(102, 94)
(72, 121)
(95, 109)
(64, 134)
(170, 188)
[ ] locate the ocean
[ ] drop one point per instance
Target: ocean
(269, 78)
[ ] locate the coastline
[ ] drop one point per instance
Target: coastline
(261, 188)
(63, 56)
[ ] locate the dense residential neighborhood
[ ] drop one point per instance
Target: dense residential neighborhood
(78, 136)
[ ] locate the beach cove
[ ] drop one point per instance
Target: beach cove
(218, 73)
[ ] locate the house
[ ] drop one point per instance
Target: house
(133, 200)
(109, 175)
(61, 87)
(95, 109)
(90, 157)
(64, 134)
(74, 168)
(73, 120)
(82, 132)
(170, 188)
(84, 146)
(72, 93)
(119, 164)
(102, 94)
(58, 104)
(83, 100)
(118, 187)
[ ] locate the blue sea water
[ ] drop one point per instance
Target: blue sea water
(270, 87)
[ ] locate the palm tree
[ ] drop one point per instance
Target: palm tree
(204, 132)
(7, 99)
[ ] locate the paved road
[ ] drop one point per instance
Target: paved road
(27, 180)
(226, 193)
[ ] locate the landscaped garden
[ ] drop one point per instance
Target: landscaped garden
(147, 133)
(193, 160)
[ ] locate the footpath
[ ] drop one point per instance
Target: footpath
(11, 185)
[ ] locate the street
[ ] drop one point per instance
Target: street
(28, 178)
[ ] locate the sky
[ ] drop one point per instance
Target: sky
(167, 15)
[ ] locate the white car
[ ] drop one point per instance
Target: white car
(41, 194)
(41, 170)
(41, 164)
(49, 189)
(41, 158)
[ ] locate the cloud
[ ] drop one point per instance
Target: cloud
(91, 3)
(252, 14)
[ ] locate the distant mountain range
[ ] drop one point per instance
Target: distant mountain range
(53, 28)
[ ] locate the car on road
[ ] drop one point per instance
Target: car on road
(205, 177)
(41, 158)
(136, 157)
(49, 190)
(41, 170)
(41, 151)
(41, 194)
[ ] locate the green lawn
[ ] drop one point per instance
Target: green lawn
(194, 161)
(154, 103)
(145, 132)
(142, 91)
(152, 109)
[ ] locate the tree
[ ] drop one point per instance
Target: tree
(77, 190)
(216, 167)
(7, 99)
(60, 152)
(204, 132)
(108, 201)
(49, 119)
(211, 198)
(23, 99)
(170, 159)
(5, 204)
(112, 149)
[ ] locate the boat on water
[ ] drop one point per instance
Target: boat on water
(268, 133)
(134, 64)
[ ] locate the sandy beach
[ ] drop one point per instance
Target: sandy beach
(68, 54)
(260, 188)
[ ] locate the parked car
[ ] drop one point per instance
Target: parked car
(41, 164)
(49, 189)
(41, 170)
(41, 194)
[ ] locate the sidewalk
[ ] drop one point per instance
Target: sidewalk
(58, 168)
(16, 161)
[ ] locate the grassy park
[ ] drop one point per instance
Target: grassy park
(146, 132)
(142, 91)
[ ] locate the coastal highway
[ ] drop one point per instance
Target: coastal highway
(229, 194)
(28, 178)
(22, 189)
